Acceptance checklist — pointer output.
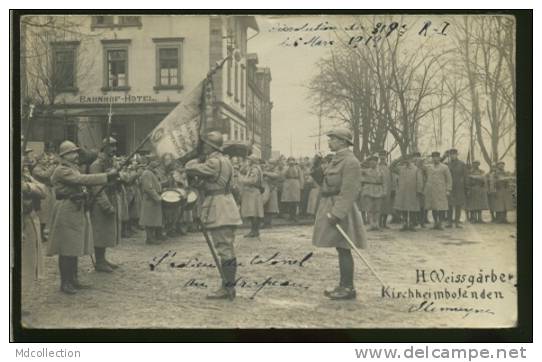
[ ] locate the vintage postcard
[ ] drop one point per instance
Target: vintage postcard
(267, 171)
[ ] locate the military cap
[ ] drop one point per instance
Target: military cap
(416, 154)
(500, 163)
(372, 158)
(476, 162)
(453, 151)
(435, 154)
(341, 133)
(290, 159)
(67, 147)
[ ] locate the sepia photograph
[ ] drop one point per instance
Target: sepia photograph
(258, 171)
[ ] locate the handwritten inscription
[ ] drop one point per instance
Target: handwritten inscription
(354, 35)
(442, 291)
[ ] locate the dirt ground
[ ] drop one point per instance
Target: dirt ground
(279, 292)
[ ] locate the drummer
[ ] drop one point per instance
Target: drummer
(170, 210)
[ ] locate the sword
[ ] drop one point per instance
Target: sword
(358, 253)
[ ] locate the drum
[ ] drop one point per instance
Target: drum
(191, 197)
(171, 196)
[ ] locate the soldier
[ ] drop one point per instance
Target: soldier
(372, 191)
(170, 211)
(271, 177)
(419, 163)
(437, 189)
(42, 171)
(71, 233)
(339, 189)
(219, 213)
(458, 170)
(476, 193)
(503, 193)
(151, 203)
(251, 196)
(31, 257)
(409, 187)
(105, 212)
(291, 188)
(386, 207)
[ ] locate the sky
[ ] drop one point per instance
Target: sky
(293, 120)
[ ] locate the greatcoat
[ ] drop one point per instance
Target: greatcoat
(292, 184)
(339, 189)
(438, 184)
(251, 197)
(410, 184)
(387, 200)
(151, 202)
(476, 190)
(31, 257)
(106, 213)
(70, 227)
(458, 170)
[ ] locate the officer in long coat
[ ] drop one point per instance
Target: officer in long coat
(456, 201)
(251, 196)
(437, 188)
(219, 213)
(476, 192)
(106, 211)
(291, 188)
(373, 191)
(340, 187)
(503, 199)
(409, 187)
(71, 234)
(31, 256)
(151, 217)
(386, 206)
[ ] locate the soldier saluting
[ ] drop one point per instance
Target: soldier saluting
(340, 187)
(219, 213)
(71, 229)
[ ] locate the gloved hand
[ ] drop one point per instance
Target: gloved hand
(332, 219)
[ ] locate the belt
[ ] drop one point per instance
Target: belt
(329, 193)
(372, 183)
(292, 178)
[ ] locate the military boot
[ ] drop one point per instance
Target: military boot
(74, 272)
(343, 293)
(101, 265)
(65, 275)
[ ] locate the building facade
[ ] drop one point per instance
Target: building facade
(138, 68)
(259, 106)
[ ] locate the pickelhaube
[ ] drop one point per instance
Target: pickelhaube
(341, 133)
(67, 147)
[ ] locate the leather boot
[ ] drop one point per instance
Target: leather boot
(74, 272)
(151, 239)
(65, 278)
(111, 265)
(101, 265)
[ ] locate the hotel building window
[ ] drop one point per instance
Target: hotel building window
(168, 63)
(116, 64)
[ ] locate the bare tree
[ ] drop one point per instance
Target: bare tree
(487, 48)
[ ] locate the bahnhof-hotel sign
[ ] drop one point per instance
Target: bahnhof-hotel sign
(125, 99)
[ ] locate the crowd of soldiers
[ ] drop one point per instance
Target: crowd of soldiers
(85, 201)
